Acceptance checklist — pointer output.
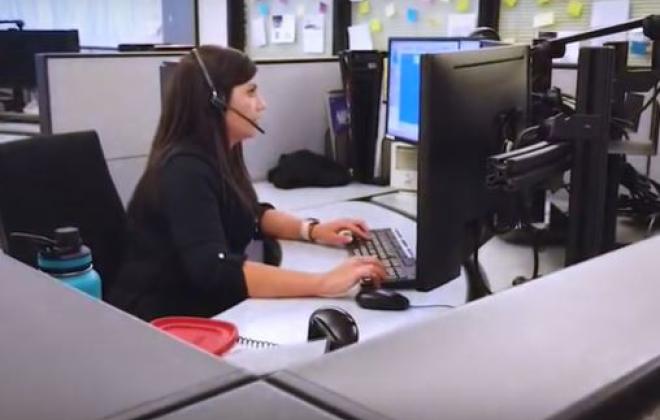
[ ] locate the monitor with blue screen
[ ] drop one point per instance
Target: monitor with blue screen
(404, 80)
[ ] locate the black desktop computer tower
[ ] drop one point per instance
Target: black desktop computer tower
(362, 75)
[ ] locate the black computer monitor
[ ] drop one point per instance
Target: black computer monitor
(403, 79)
(18, 49)
(466, 97)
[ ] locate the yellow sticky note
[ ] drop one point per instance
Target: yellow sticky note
(511, 3)
(543, 2)
(390, 10)
(575, 8)
(375, 25)
(364, 7)
(463, 6)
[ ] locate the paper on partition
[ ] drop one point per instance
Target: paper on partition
(461, 24)
(258, 31)
(390, 10)
(314, 34)
(359, 37)
(607, 13)
(544, 19)
(283, 29)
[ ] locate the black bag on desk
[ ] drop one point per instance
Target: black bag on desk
(306, 169)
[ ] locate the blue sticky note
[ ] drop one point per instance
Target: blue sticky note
(412, 15)
(263, 9)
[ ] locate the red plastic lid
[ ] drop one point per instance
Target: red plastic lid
(210, 335)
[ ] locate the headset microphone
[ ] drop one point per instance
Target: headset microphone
(218, 100)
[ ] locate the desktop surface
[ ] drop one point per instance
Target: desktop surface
(285, 321)
(528, 353)
(312, 197)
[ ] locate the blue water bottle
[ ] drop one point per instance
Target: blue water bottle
(67, 259)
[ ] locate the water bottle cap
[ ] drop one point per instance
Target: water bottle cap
(67, 239)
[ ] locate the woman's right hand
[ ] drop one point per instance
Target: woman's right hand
(339, 280)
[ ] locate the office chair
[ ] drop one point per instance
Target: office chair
(61, 180)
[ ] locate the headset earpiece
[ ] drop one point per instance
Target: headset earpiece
(218, 102)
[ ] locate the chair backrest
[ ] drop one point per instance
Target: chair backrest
(61, 180)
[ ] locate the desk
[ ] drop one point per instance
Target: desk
(20, 128)
(285, 321)
(311, 197)
(404, 202)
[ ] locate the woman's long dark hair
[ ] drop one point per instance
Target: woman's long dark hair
(188, 118)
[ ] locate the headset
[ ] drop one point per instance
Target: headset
(218, 99)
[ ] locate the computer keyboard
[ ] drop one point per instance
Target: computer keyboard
(392, 250)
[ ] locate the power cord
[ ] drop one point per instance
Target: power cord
(643, 200)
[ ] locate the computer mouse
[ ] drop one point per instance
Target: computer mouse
(335, 325)
(382, 299)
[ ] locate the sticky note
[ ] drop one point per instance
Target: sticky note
(412, 15)
(544, 19)
(463, 6)
(364, 7)
(575, 8)
(390, 10)
(511, 3)
(375, 25)
(543, 2)
(263, 9)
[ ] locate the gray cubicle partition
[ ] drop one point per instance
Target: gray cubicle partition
(254, 401)
(64, 355)
(119, 96)
(557, 346)
(116, 94)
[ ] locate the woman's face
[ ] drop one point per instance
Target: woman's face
(245, 99)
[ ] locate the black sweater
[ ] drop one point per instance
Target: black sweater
(186, 249)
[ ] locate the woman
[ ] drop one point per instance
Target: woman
(194, 211)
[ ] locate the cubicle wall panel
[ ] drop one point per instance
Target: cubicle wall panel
(126, 173)
(526, 353)
(118, 95)
(295, 118)
(65, 355)
(265, 402)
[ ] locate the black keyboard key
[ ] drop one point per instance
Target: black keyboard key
(390, 249)
(408, 262)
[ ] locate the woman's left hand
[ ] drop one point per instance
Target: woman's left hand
(328, 233)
